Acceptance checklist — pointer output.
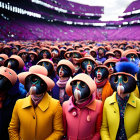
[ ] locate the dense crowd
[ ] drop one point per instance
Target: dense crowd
(70, 90)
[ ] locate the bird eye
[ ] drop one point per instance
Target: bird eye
(47, 64)
(82, 84)
(74, 83)
(116, 79)
(125, 79)
(64, 68)
(108, 64)
(113, 64)
(34, 79)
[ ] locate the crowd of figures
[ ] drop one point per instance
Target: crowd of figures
(70, 90)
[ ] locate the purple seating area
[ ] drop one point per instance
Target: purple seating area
(66, 17)
(126, 33)
(132, 10)
(30, 30)
(130, 20)
(75, 7)
(133, 6)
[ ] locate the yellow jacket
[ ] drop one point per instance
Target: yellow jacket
(111, 118)
(136, 92)
(42, 123)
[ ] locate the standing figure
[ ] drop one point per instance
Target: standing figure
(25, 57)
(93, 53)
(110, 63)
(132, 56)
(16, 63)
(8, 96)
(121, 112)
(7, 50)
(87, 65)
(109, 55)
(55, 53)
(104, 89)
(101, 54)
(44, 53)
(75, 56)
(117, 52)
(33, 56)
(37, 116)
(65, 70)
(82, 113)
(48, 64)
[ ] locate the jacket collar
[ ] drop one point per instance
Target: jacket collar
(113, 98)
(43, 105)
(91, 105)
(131, 100)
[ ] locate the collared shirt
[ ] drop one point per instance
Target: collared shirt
(121, 134)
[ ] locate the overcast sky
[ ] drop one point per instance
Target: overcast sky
(112, 8)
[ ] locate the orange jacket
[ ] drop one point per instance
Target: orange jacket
(107, 91)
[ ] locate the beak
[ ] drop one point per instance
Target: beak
(77, 94)
(32, 90)
(120, 90)
(9, 65)
(120, 87)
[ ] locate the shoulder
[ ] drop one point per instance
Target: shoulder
(99, 104)
(66, 103)
(53, 101)
(110, 99)
(54, 105)
(21, 101)
(137, 100)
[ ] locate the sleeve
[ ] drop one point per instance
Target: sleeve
(14, 124)
(98, 124)
(57, 125)
(104, 128)
(136, 136)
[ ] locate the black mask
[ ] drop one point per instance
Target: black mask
(101, 73)
(5, 84)
(33, 80)
(48, 66)
(64, 71)
(80, 90)
(85, 64)
(123, 83)
(62, 54)
(12, 64)
(47, 53)
(76, 55)
(132, 57)
(111, 67)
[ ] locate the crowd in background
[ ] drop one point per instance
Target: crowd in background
(99, 65)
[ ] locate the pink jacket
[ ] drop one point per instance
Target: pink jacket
(82, 124)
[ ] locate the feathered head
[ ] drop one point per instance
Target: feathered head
(124, 81)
